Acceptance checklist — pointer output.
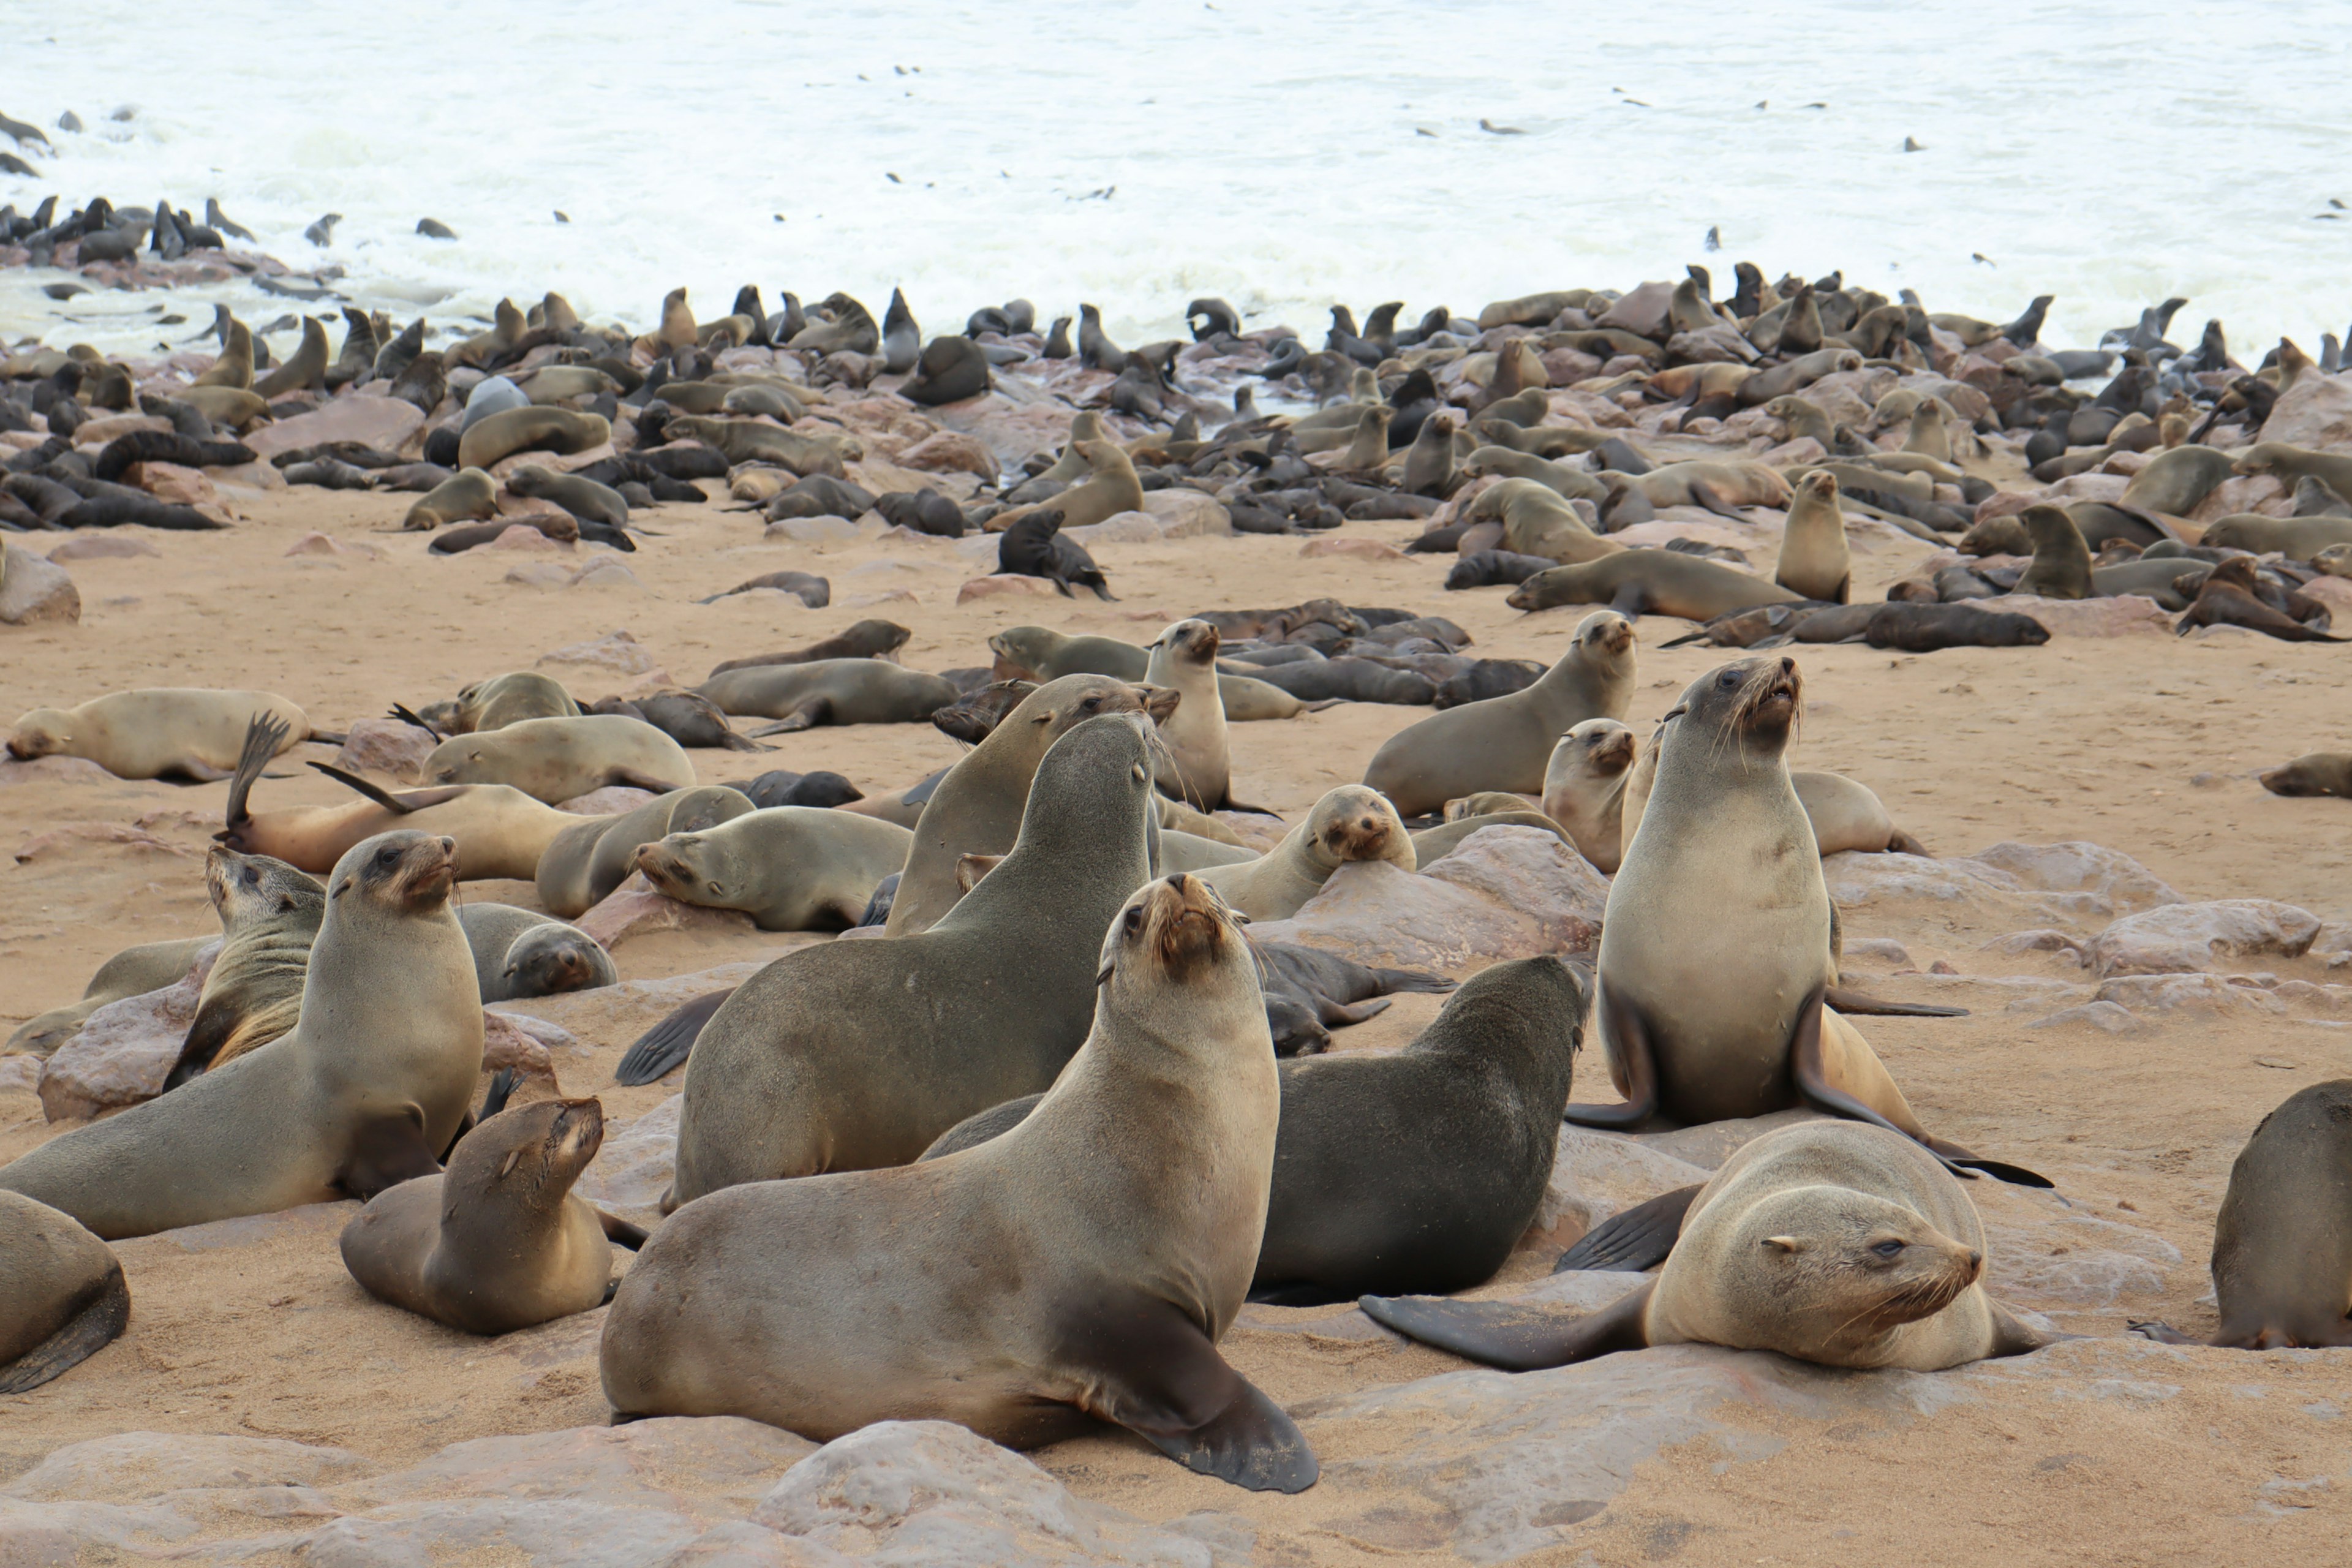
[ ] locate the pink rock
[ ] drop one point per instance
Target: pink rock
(1002, 585)
(123, 1050)
(1184, 513)
(391, 746)
(1352, 549)
(371, 420)
(105, 428)
(2315, 412)
(950, 451)
(540, 575)
(2243, 492)
(327, 544)
(1566, 367)
(171, 482)
(261, 474)
(604, 571)
(1642, 311)
(2181, 938)
(64, 770)
(635, 909)
(2122, 616)
(36, 591)
(616, 653)
(506, 1046)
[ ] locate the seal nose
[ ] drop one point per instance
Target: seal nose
(1788, 664)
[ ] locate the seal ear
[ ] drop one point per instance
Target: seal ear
(1785, 1244)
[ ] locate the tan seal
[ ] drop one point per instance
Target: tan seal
(1814, 562)
(62, 1295)
(554, 760)
(829, 692)
(1041, 653)
(591, 855)
(500, 701)
(1352, 822)
(790, 867)
(155, 732)
(1084, 1264)
(1584, 788)
(1636, 583)
(1195, 763)
(270, 914)
(469, 493)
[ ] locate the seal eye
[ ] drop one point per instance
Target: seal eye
(1728, 679)
(1133, 920)
(388, 858)
(1887, 1248)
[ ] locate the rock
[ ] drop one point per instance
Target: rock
(101, 546)
(391, 746)
(327, 544)
(930, 1491)
(260, 473)
(36, 591)
(635, 909)
(538, 573)
(605, 572)
(1596, 1175)
(2043, 941)
(1351, 549)
(383, 423)
(123, 1050)
(607, 801)
(525, 538)
(506, 1045)
(1708, 1145)
(2121, 616)
(1185, 513)
(2180, 938)
(1119, 528)
(1876, 950)
(2148, 993)
(2113, 880)
(950, 451)
(1530, 871)
(2007, 884)
(724, 1459)
(2245, 493)
(637, 1161)
(171, 482)
(64, 770)
(131, 1466)
(615, 653)
(810, 530)
(2315, 412)
(2110, 1016)
(1004, 585)
(2044, 1255)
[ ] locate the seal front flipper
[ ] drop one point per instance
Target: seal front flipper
(664, 1047)
(1158, 1376)
(619, 1232)
(1634, 1239)
(2012, 1336)
(1631, 601)
(2162, 1333)
(1846, 1001)
(95, 1325)
(387, 1150)
(1512, 1336)
(1810, 1068)
(1628, 1053)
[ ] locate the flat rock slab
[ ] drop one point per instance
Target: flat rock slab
(383, 423)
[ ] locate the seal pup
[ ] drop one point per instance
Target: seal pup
(857, 1054)
(2281, 1259)
(1814, 561)
(1828, 1242)
(497, 1242)
(1846, 815)
(160, 731)
(1040, 653)
(521, 952)
(62, 1295)
(2320, 772)
(587, 860)
(1584, 788)
(1084, 1264)
(790, 867)
(1712, 981)
(554, 760)
(949, 370)
(269, 915)
(1195, 755)
(2230, 596)
(2062, 561)
(1415, 1171)
(370, 1087)
(902, 339)
(1035, 547)
(1352, 822)
(1505, 743)
(977, 809)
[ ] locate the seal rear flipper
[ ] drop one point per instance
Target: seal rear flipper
(620, 1232)
(264, 734)
(1952, 1154)
(404, 803)
(1632, 1239)
(1846, 1001)
(634, 779)
(97, 1324)
(1702, 494)
(2012, 1335)
(1632, 600)
(1628, 1042)
(1808, 1065)
(1159, 1377)
(2162, 1333)
(731, 742)
(807, 716)
(386, 1151)
(1336, 1014)
(1902, 842)
(1412, 980)
(405, 716)
(1513, 1336)
(665, 1048)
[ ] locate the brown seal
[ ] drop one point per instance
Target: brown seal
(62, 1295)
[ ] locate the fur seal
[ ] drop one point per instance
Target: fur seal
(500, 701)
(270, 914)
(790, 867)
(2062, 561)
(1538, 521)
(1715, 951)
(530, 429)
(2291, 463)
(1635, 583)
(1505, 743)
(1831, 1243)
(2297, 537)
(520, 954)
(1349, 822)
(62, 1295)
(865, 639)
(134, 971)
(2231, 596)
(949, 370)
(305, 368)
(1111, 488)
(1413, 1170)
(1849, 815)
(469, 493)
(1195, 759)
(497, 1242)
(369, 1087)
(592, 855)
(2174, 481)
(557, 759)
(829, 692)
(1040, 653)
(1034, 547)
(1089, 1261)
(692, 721)
(1814, 562)
(978, 808)
(1584, 788)
(157, 732)
(756, 441)
(858, 1054)
(1924, 628)
(2320, 773)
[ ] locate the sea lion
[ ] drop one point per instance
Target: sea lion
(1832, 1243)
(1715, 951)
(1349, 822)
(2320, 773)
(1584, 788)
(520, 953)
(1195, 759)
(1719, 485)
(1635, 583)
(2296, 538)
(1417, 1170)
(1504, 743)
(873, 1295)
(134, 971)
(62, 1294)
(2230, 596)
(530, 429)
(369, 1087)
(158, 732)
(790, 867)
(594, 855)
(865, 639)
(2174, 481)
(857, 1054)
(1034, 547)
(1352, 679)
(1111, 488)
(232, 371)
(2062, 561)
(584, 497)
(755, 441)
(1814, 562)
(497, 1242)
(468, 493)
(270, 914)
(977, 810)
(305, 368)
(829, 692)
(502, 701)
(557, 759)
(1040, 653)
(1849, 815)
(1572, 484)
(950, 370)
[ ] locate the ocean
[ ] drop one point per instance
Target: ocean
(1137, 155)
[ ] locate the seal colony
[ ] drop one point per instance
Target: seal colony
(1015, 1149)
